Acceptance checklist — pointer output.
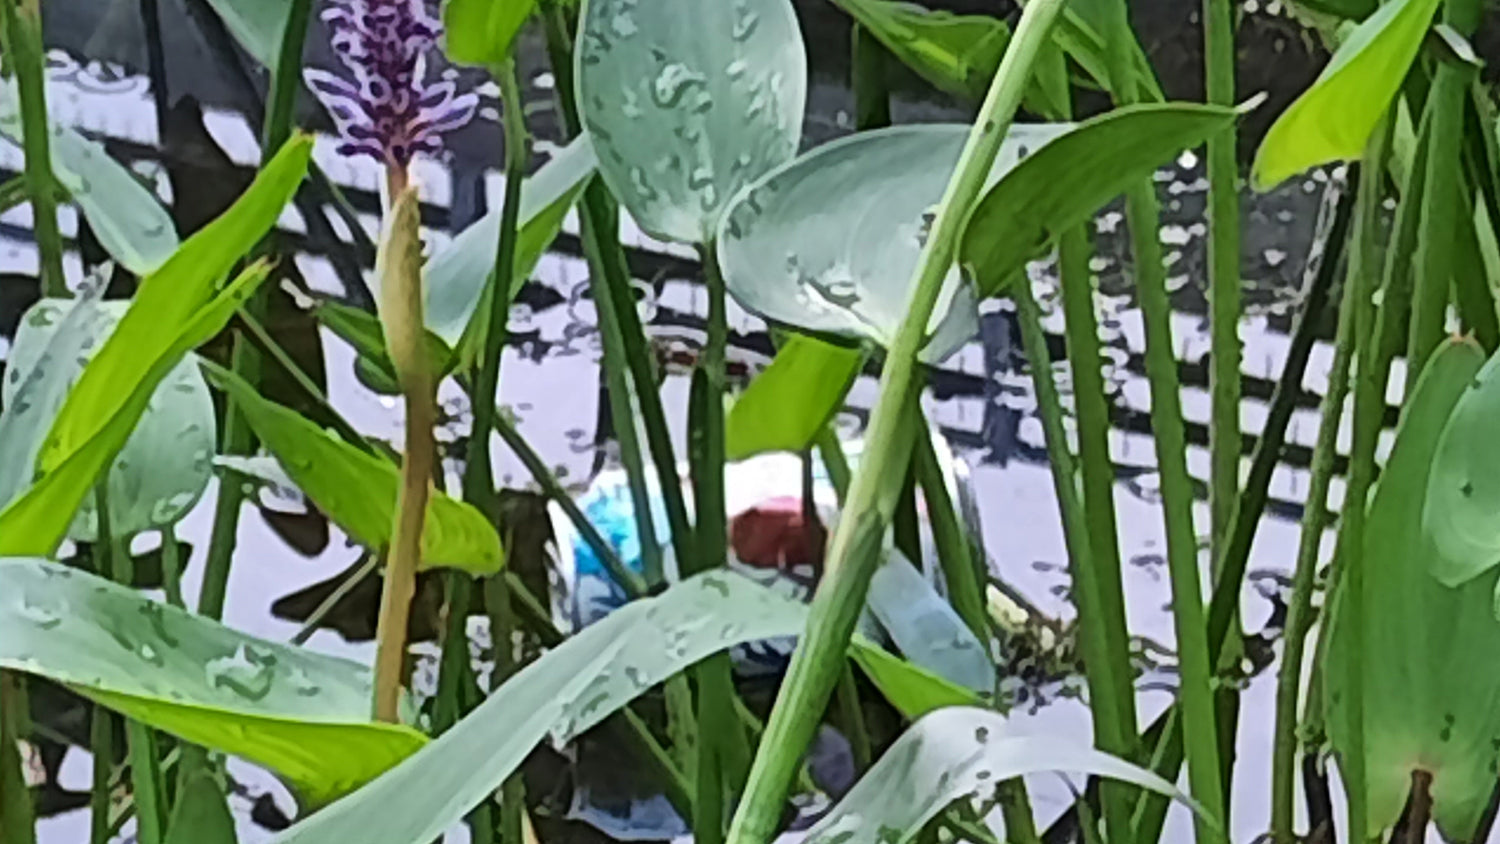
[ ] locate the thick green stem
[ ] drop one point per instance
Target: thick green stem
(1223, 273)
(502, 639)
(854, 552)
(237, 438)
(17, 815)
(102, 749)
(479, 485)
(1314, 521)
(867, 70)
(28, 56)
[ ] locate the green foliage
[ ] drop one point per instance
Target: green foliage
(164, 466)
(357, 490)
(256, 24)
(573, 686)
(952, 753)
(958, 54)
(201, 814)
(792, 253)
(1068, 180)
(683, 116)
(1432, 688)
(1461, 516)
(1332, 120)
(482, 32)
(913, 690)
(788, 404)
(302, 715)
(130, 224)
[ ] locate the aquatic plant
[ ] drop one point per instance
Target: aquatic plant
(869, 253)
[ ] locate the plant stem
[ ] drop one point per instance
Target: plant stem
(17, 815)
(1223, 273)
(12, 193)
(708, 472)
(867, 69)
(1299, 607)
(238, 439)
(401, 316)
(853, 554)
(146, 784)
(102, 749)
(502, 636)
(310, 626)
(23, 42)
(479, 485)
(171, 566)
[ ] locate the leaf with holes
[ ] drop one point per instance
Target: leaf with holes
(303, 715)
(686, 102)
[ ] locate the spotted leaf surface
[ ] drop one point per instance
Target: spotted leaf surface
(687, 102)
(303, 715)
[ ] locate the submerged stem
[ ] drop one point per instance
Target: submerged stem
(855, 547)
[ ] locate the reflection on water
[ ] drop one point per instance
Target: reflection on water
(981, 397)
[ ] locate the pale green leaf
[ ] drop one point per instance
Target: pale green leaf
(1065, 182)
(130, 223)
(926, 628)
(1333, 118)
(256, 24)
(631, 649)
(687, 102)
(1462, 512)
(914, 691)
(164, 466)
(829, 241)
(1432, 685)
(951, 753)
(357, 490)
(786, 406)
(303, 715)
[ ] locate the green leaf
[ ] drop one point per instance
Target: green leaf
(1432, 695)
(926, 628)
(362, 330)
(913, 690)
(828, 242)
(357, 490)
(1080, 41)
(687, 102)
(1333, 118)
(573, 686)
(164, 466)
(952, 753)
(793, 399)
(958, 54)
(480, 32)
(176, 308)
(1462, 513)
(1065, 182)
(130, 223)
(300, 714)
(256, 24)
(201, 815)
(458, 273)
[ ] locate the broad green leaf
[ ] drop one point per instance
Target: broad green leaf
(580, 682)
(256, 24)
(130, 223)
(687, 102)
(914, 691)
(458, 274)
(303, 715)
(952, 753)
(829, 241)
(34, 523)
(793, 399)
(175, 309)
(1071, 178)
(357, 490)
(958, 54)
(1462, 513)
(1431, 653)
(926, 628)
(201, 815)
(1333, 118)
(480, 32)
(164, 466)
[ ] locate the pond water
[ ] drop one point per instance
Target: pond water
(981, 397)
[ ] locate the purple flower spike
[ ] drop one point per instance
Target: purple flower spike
(387, 111)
